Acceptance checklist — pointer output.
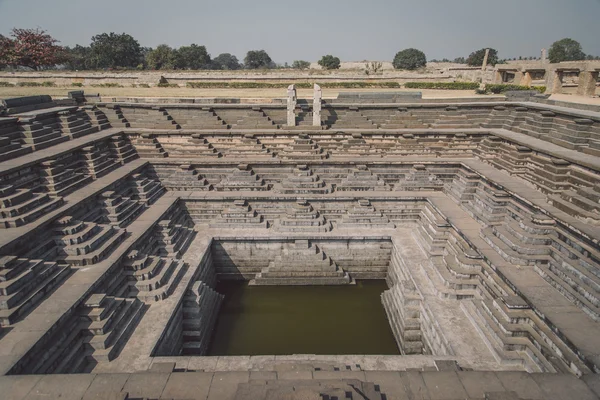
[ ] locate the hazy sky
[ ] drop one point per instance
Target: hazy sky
(307, 29)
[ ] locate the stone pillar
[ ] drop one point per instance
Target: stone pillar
(497, 77)
(587, 83)
(544, 56)
(557, 82)
(485, 59)
(518, 77)
(291, 105)
(318, 95)
(526, 79)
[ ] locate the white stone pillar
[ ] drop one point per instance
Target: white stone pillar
(485, 59)
(291, 105)
(317, 98)
(544, 56)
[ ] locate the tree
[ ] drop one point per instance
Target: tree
(31, 48)
(460, 60)
(476, 58)
(329, 62)
(193, 57)
(6, 51)
(115, 51)
(78, 57)
(257, 59)
(226, 61)
(163, 57)
(409, 59)
(301, 64)
(565, 50)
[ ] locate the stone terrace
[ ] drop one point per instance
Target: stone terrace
(119, 218)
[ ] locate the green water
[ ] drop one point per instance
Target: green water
(276, 320)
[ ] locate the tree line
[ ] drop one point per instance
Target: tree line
(36, 49)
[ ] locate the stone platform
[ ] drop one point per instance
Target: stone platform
(118, 219)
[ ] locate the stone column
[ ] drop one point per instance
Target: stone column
(587, 83)
(526, 79)
(544, 56)
(497, 77)
(318, 95)
(291, 105)
(485, 59)
(518, 77)
(557, 82)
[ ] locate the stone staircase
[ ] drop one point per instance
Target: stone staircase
(362, 179)
(185, 177)
(191, 147)
(355, 145)
(20, 207)
(99, 159)
(302, 263)
(420, 177)
(302, 181)
(452, 119)
(517, 336)
(203, 118)
(147, 146)
(302, 217)
(76, 123)
(352, 118)
(239, 216)
(247, 146)
(364, 215)
(401, 119)
(61, 178)
(145, 189)
(172, 235)
(97, 117)
(41, 131)
(244, 118)
(582, 202)
(149, 118)
(303, 148)
(24, 283)
(83, 243)
(121, 147)
(151, 279)
(11, 143)
(114, 115)
(242, 178)
(108, 323)
(121, 211)
(201, 306)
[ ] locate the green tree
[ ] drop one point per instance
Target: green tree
(257, 59)
(409, 59)
(226, 61)
(111, 50)
(459, 60)
(565, 50)
(301, 64)
(329, 62)
(476, 58)
(163, 57)
(193, 57)
(78, 57)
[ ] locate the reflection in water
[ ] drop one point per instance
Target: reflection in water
(274, 320)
